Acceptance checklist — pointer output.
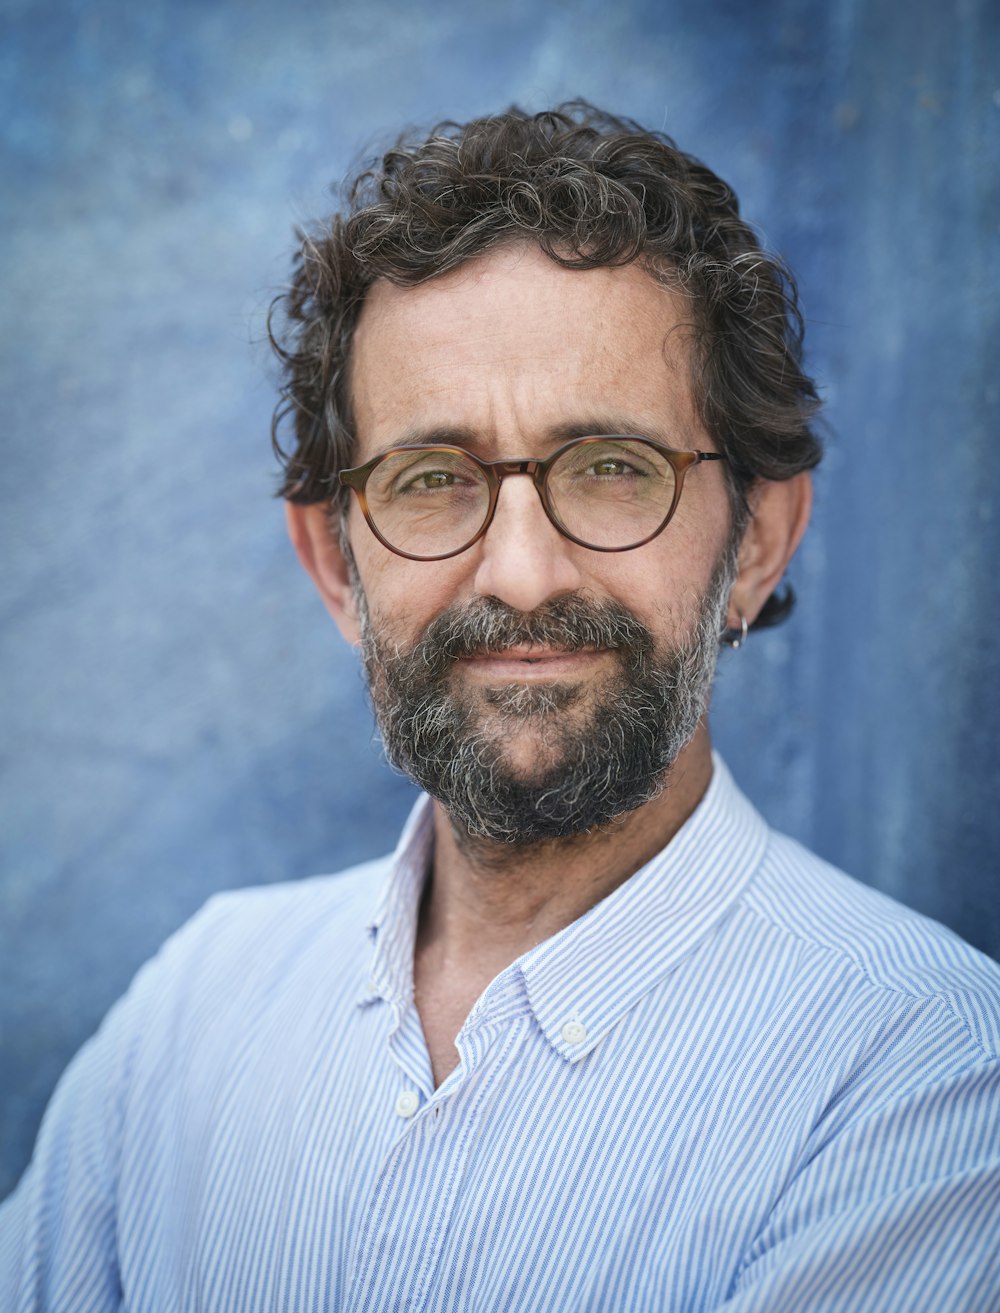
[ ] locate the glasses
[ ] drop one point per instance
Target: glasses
(609, 493)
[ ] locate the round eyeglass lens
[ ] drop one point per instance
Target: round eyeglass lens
(612, 493)
(427, 503)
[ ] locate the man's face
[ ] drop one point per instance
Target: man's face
(533, 649)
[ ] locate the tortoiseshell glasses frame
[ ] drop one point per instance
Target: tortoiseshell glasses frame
(494, 472)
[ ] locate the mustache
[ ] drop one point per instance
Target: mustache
(571, 623)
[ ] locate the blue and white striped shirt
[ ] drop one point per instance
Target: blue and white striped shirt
(742, 1081)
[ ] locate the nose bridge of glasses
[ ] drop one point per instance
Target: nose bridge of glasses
(523, 465)
(535, 469)
(498, 470)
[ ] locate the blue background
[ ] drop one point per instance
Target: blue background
(178, 714)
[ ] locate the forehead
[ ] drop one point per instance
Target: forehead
(512, 345)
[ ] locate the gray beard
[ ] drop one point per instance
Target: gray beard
(592, 765)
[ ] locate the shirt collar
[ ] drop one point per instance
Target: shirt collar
(393, 928)
(593, 971)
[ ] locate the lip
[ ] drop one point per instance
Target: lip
(528, 663)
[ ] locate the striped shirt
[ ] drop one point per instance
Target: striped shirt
(742, 1080)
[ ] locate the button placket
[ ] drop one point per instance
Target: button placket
(410, 1159)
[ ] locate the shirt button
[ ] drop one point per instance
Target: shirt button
(407, 1103)
(574, 1032)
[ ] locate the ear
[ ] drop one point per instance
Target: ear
(779, 513)
(317, 545)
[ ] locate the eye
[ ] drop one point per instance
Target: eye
(429, 480)
(615, 461)
(609, 467)
(427, 474)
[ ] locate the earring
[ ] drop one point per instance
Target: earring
(735, 638)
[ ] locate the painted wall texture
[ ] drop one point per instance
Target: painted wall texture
(178, 714)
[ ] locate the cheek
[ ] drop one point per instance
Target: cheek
(404, 596)
(665, 582)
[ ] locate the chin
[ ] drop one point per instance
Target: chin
(530, 702)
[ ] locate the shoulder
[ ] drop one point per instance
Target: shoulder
(268, 942)
(869, 938)
(294, 908)
(247, 969)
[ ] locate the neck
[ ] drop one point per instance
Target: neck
(488, 903)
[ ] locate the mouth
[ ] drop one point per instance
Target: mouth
(531, 661)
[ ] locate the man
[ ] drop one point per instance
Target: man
(593, 1038)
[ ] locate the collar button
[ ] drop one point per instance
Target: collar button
(574, 1032)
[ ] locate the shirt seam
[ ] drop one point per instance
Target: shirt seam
(880, 986)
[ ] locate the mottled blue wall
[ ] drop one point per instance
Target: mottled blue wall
(178, 714)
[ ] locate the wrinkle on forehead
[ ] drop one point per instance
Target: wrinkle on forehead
(507, 341)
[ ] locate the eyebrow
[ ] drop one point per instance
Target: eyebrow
(589, 426)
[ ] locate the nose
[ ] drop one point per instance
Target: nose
(524, 559)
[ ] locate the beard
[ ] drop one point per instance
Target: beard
(600, 749)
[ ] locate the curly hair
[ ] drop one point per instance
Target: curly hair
(591, 190)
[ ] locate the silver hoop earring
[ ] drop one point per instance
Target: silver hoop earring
(736, 638)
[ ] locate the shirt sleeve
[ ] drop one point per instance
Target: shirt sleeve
(897, 1210)
(59, 1229)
